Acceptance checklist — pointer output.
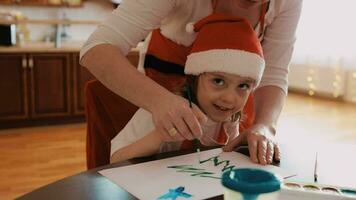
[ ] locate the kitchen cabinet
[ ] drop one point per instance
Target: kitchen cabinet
(13, 87)
(43, 88)
(49, 76)
(34, 86)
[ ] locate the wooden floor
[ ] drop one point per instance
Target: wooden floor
(33, 157)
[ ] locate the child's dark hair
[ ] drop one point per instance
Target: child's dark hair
(191, 84)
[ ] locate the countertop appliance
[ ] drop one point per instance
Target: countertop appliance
(7, 34)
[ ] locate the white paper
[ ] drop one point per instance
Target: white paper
(153, 179)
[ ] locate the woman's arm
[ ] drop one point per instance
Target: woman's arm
(278, 43)
(112, 68)
(269, 97)
(129, 24)
(169, 110)
(104, 52)
(104, 56)
(146, 146)
(268, 101)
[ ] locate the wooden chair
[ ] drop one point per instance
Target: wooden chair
(106, 114)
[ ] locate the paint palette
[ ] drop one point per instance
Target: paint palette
(296, 190)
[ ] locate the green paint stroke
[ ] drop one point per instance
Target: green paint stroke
(193, 171)
(202, 172)
(216, 161)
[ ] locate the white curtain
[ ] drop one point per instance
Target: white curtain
(327, 30)
(325, 50)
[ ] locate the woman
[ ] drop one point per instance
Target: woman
(104, 53)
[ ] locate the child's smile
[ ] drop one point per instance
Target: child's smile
(225, 113)
(221, 95)
(221, 108)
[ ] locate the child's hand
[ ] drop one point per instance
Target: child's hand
(261, 142)
(176, 121)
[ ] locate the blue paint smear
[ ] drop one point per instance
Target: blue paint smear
(173, 194)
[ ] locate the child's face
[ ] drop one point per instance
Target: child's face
(221, 95)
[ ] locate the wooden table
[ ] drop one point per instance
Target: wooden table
(91, 185)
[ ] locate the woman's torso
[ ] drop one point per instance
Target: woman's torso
(186, 11)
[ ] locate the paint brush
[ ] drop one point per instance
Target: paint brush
(196, 142)
(316, 168)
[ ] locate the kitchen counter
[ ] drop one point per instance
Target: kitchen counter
(45, 47)
(42, 47)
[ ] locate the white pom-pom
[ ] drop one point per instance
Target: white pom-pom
(190, 28)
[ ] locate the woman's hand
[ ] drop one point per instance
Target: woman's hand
(261, 142)
(176, 121)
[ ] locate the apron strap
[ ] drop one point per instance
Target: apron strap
(262, 15)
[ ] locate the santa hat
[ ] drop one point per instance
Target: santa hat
(225, 44)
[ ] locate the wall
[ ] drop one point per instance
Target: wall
(332, 80)
(92, 10)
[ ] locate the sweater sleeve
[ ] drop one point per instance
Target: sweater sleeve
(278, 43)
(129, 24)
(140, 125)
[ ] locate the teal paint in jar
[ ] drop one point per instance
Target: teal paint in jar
(250, 184)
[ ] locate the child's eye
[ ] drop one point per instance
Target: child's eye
(218, 81)
(244, 86)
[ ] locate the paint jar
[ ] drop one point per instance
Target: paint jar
(250, 184)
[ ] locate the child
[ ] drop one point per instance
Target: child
(224, 66)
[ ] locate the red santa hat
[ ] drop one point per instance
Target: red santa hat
(225, 44)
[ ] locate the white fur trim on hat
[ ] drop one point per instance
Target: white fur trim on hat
(232, 61)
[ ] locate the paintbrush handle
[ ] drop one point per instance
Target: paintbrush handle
(316, 168)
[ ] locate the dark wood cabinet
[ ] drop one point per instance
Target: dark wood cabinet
(13, 87)
(50, 86)
(43, 88)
